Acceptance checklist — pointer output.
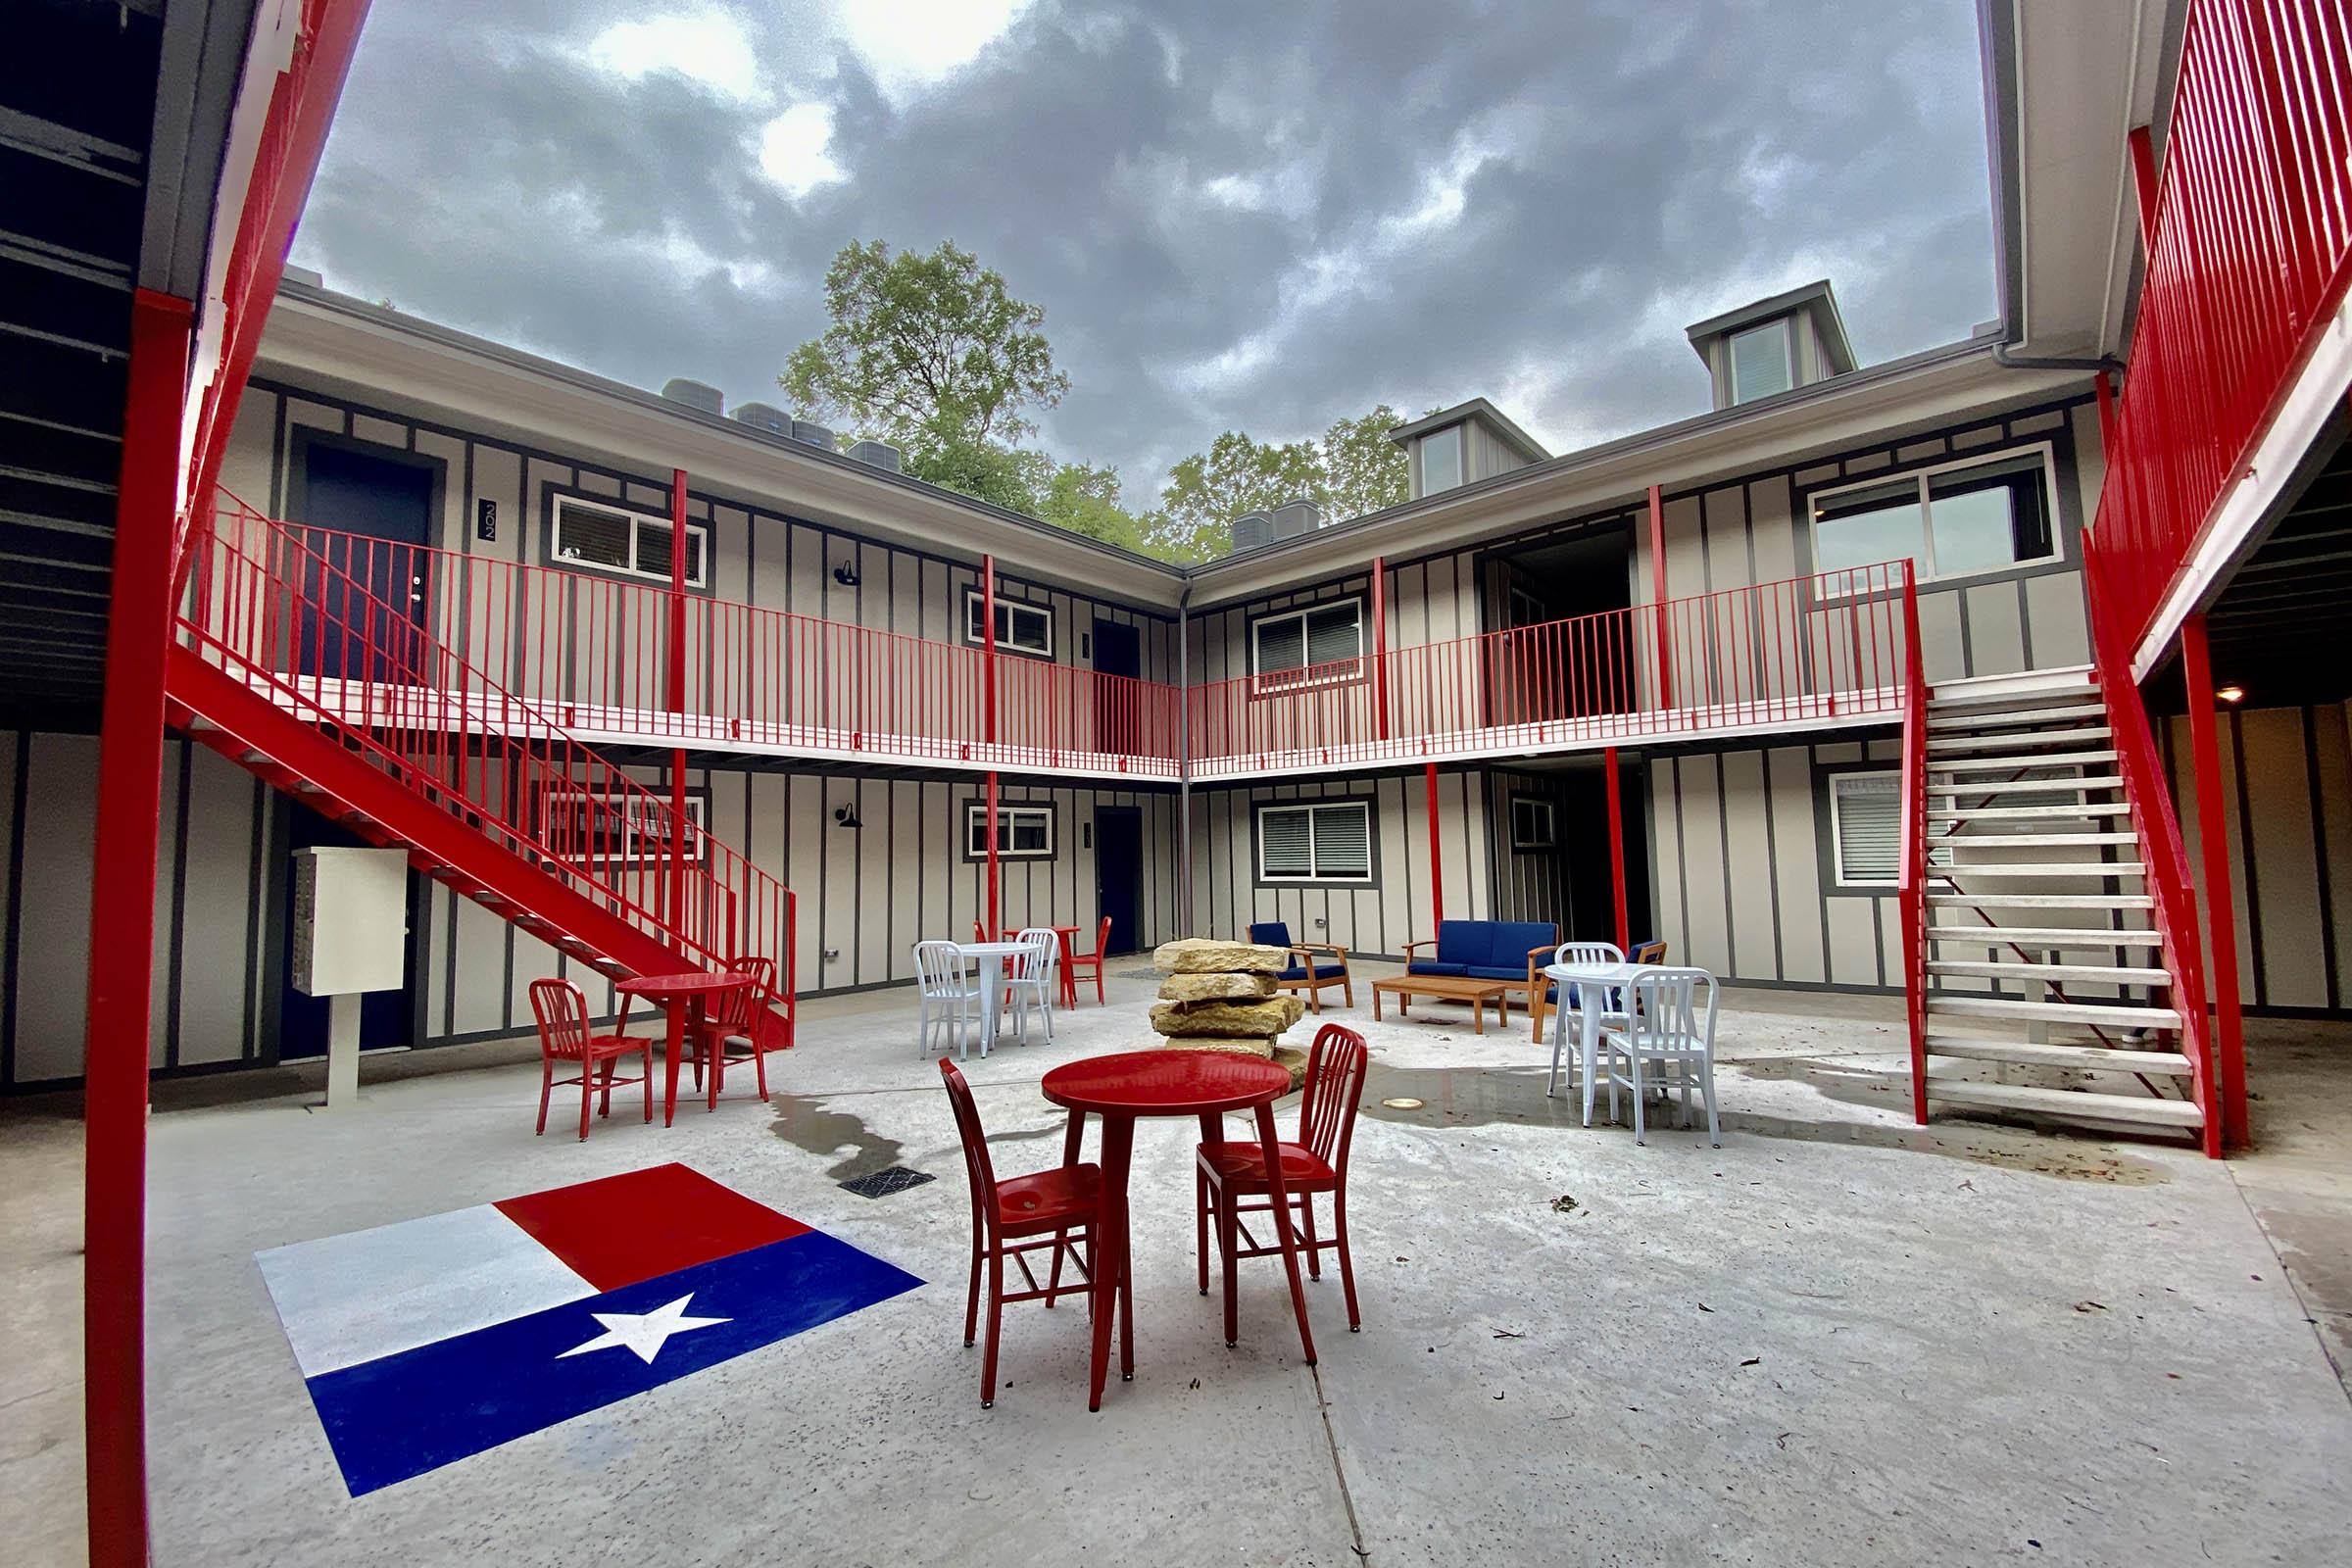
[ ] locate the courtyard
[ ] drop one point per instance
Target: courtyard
(1840, 1338)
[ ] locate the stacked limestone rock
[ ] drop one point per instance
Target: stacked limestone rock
(1220, 995)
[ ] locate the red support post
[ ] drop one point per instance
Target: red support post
(1624, 928)
(994, 929)
(2221, 903)
(2143, 187)
(131, 757)
(1437, 867)
(1379, 648)
(1657, 577)
(677, 698)
(988, 657)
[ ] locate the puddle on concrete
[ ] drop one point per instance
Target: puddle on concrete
(806, 1123)
(1477, 1097)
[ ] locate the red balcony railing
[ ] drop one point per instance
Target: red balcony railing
(592, 652)
(351, 651)
(2249, 229)
(1812, 648)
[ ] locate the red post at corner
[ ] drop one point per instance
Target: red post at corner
(994, 912)
(678, 847)
(1625, 930)
(1657, 578)
(2220, 901)
(131, 757)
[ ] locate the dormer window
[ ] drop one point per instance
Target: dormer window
(1761, 362)
(1441, 459)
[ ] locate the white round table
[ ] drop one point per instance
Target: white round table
(1595, 984)
(991, 957)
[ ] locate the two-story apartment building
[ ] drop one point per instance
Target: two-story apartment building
(1674, 684)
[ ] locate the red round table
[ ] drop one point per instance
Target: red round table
(1165, 1083)
(682, 994)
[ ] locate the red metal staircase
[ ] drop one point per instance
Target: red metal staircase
(323, 685)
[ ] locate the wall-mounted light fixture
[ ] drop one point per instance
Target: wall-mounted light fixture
(2233, 695)
(846, 575)
(846, 816)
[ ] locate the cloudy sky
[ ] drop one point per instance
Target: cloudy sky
(1245, 216)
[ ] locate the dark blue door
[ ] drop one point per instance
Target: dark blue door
(1119, 874)
(365, 571)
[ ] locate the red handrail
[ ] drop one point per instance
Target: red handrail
(1807, 649)
(2249, 253)
(339, 647)
(2158, 831)
(1914, 847)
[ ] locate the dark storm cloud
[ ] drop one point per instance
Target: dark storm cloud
(1245, 215)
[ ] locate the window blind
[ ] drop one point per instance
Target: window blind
(1869, 823)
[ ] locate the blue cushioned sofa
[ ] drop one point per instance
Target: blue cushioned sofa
(1512, 950)
(1307, 973)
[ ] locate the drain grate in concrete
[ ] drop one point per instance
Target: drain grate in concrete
(886, 1181)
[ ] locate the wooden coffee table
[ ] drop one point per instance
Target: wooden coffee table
(1447, 988)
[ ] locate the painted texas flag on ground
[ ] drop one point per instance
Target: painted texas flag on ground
(429, 1341)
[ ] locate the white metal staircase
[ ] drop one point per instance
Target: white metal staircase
(2048, 982)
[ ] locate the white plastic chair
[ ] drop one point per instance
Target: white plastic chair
(1036, 974)
(950, 996)
(1567, 1014)
(1665, 1044)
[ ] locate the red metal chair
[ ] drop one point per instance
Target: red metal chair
(1076, 966)
(740, 1019)
(1056, 1208)
(1226, 1174)
(563, 1036)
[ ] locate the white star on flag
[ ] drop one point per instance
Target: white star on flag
(644, 1333)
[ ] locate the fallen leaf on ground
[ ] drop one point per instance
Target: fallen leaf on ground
(1563, 1205)
(2091, 1306)
(1752, 1360)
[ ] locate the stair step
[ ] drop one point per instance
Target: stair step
(2093, 868)
(2011, 691)
(2032, 841)
(2029, 786)
(2035, 1054)
(2011, 717)
(2101, 973)
(2063, 937)
(1937, 747)
(2070, 1103)
(2047, 900)
(2012, 761)
(2028, 814)
(2116, 1014)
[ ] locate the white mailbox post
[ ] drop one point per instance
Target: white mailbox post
(351, 914)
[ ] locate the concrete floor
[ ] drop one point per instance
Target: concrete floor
(1838, 1338)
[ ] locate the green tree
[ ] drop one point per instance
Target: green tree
(931, 352)
(1355, 468)
(1085, 499)
(1363, 469)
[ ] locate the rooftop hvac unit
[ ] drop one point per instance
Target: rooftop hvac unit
(881, 454)
(765, 417)
(1296, 517)
(816, 435)
(695, 395)
(1251, 529)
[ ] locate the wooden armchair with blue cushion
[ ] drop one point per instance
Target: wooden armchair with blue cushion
(1306, 974)
(1512, 950)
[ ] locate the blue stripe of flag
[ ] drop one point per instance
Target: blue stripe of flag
(405, 1414)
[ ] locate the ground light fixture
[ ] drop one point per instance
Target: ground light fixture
(2233, 695)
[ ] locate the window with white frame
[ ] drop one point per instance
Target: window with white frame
(587, 827)
(1865, 828)
(1954, 521)
(1322, 841)
(1021, 627)
(1307, 647)
(1532, 823)
(1023, 832)
(603, 537)
(1763, 361)
(1441, 459)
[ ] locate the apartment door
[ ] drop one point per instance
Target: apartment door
(365, 574)
(1119, 874)
(1118, 709)
(386, 1017)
